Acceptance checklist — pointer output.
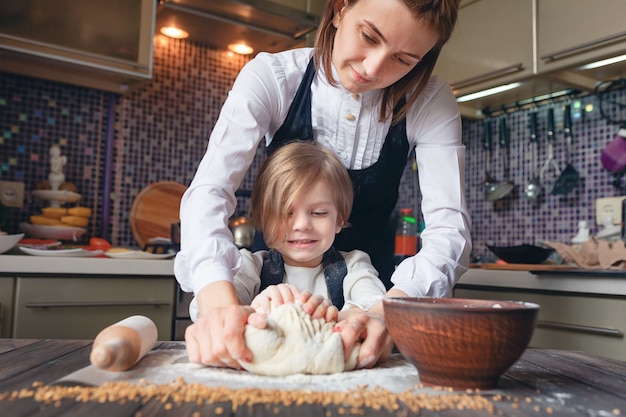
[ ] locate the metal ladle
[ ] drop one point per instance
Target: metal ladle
(533, 189)
(550, 162)
(490, 184)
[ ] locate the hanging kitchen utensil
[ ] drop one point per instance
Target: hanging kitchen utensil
(490, 183)
(506, 186)
(568, 180)
(533, 189)
(550, 162)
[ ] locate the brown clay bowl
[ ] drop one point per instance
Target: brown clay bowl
(460, 343)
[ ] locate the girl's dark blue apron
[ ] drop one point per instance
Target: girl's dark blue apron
(372, 225)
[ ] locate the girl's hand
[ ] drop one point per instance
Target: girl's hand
(276, 295)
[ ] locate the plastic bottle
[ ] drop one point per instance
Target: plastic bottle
(121, 345)
(406, 234)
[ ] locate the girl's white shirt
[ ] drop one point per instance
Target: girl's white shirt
(361, 286)
(256, 107)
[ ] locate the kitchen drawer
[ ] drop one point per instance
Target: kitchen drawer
(589, 323)
(6, 305)
(78, 308)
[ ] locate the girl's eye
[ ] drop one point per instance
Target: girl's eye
(319, 213)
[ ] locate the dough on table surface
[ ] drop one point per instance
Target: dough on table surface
(295, 343)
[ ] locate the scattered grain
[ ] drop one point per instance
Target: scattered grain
(616, 412)
(354, 401)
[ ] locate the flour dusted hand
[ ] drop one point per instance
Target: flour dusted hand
(293, 342)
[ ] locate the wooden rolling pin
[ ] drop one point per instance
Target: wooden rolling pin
(121, 345)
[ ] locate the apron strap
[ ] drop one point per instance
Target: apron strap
(335, 270)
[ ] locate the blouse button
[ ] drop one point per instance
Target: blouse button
(350, 117)
(355, 96)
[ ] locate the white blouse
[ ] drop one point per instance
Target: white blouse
(348, 124)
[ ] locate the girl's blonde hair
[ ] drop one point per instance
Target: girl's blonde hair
(439, 16)
(288, 174)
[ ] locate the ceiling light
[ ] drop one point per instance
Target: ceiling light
(604, 62)
(488, 92)
(174, 32)
(240, 48)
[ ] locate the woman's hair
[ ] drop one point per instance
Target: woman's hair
(288, 174)
(439, 16)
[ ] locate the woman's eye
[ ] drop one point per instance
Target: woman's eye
(367, 38)
(403, 61)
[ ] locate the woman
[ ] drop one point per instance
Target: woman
(365, 91)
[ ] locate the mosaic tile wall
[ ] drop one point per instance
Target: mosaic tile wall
(162, 128)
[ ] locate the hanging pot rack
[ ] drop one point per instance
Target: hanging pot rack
(534, 102)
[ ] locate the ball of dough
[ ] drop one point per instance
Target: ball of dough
(293, 343)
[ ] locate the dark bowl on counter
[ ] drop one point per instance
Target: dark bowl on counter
(522, 254)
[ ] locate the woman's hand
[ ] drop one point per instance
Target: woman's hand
(276, 295)
(217, 336)
(370, 329)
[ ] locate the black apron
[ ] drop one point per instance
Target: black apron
(372, 225)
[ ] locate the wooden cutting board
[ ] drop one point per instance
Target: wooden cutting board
(154, 210)
(523, 267)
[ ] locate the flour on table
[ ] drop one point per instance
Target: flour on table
(394, 374)
(295, 343)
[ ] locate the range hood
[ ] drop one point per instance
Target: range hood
(264, 25)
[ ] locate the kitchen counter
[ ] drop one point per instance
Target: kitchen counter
(30, 264)
(542, 382)
(572, 280)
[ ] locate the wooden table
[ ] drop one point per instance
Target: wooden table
(542, 382)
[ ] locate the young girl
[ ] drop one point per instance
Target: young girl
(301, 199)
(365, 92)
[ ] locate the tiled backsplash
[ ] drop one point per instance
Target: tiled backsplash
(161, 130)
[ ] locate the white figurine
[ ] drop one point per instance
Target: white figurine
(56, 176)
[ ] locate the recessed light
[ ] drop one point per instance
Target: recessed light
(174, 32)
(240, 48)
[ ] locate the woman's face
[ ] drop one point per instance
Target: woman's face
(310, 228)
(377, 43)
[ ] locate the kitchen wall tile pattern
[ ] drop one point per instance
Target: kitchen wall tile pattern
(514, 220)
(36, 114)
(161, 133)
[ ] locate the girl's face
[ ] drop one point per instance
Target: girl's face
(310, 228)
(377, 43)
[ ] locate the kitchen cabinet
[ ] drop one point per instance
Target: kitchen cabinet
(78, 307)
(571, 33)
(540, 44)
(7, 285)
(101, 45)
(492, 44)
(589, 322)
